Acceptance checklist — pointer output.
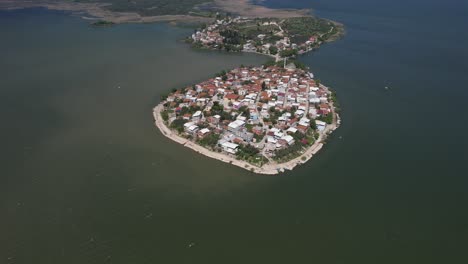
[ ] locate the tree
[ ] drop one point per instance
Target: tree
(317, 81)
(184, 111)
(313, 125)
(288, 53)
(210, 140)
(293, 109)
(264, 86)
(273, 50)
(165, 115)
(327, 119)
(178, 124)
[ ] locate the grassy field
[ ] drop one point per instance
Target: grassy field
(150, 7)
(300, 29)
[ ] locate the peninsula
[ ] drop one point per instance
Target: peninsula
(264, 119)
(276, 37)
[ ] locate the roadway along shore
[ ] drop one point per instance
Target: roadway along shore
(267, 169)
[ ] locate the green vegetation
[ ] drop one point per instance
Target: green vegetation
(178, 125)
(313, 125)
(272, 62)
(152, 7)
(300, 65)
(102, 23)
(327, 119)
(288, 53)
(218, 109)
(189, 110)
(293, 151)
(259, 31)
(246, 152)
(251, 154)
(259, 138)
(210, 140)
(232, 37)
(300, 29)
(273, 50)
(245, 111)
(165, 115)
(336, 104)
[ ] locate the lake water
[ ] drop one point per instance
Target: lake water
(85, 177)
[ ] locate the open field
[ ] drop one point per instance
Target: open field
(147, 11)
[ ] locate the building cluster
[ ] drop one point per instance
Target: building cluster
(211, 37)
(263, 107)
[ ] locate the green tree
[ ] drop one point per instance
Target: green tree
(313, 125)
(165, 115)
(288, 53)
(273, 50)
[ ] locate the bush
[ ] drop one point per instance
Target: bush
(178, 125)
(273, 50)
(165, 115)
(210, 140)
(288, 53)
(327, 119)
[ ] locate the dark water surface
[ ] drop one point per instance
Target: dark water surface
(85, 177)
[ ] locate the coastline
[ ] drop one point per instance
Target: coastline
(267, 169)
(98, 11)
(244, 7)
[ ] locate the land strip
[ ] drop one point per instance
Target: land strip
(105, 10)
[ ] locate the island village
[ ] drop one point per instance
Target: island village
(265, 119)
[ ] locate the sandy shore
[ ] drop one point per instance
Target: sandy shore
(267, 169)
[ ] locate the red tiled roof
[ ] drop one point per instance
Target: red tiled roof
(231, 96)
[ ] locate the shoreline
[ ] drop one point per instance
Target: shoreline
(267, 169)
(98, 11)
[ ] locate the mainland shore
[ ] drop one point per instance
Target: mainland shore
(100, 11)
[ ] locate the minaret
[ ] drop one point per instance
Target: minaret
(285, 62)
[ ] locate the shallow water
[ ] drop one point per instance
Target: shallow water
(87, 178)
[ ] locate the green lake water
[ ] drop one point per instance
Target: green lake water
(85, 176)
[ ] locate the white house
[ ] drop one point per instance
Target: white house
(203, 132)
(197, 116)
(230, 147)
(236, 125)
(320, 125)
(292, 130)
(288, 139)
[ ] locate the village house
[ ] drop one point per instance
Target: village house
(261, 107)
(229, 147)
